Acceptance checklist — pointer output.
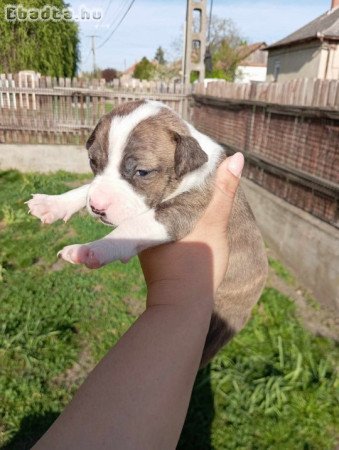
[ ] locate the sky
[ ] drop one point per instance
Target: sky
(153, 23)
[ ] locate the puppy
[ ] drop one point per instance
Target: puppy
(153, 180)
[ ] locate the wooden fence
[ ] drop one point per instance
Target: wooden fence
(46, 110)
(312, 93)
(291, 150)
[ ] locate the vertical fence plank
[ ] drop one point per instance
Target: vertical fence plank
(35, 108)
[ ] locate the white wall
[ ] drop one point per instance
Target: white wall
(246, 74)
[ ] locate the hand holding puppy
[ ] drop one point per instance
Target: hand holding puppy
(186, 263)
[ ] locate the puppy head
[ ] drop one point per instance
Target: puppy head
(140, 154)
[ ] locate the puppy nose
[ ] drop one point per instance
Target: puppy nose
(99, 212)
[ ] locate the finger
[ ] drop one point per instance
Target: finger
(226, 185)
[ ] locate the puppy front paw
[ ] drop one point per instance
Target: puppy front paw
(88, 254)
(48, 208)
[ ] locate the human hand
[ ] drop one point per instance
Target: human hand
(198, 262)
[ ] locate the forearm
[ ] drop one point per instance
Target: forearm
(137, 397)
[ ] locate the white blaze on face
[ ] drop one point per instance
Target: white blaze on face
(109, 191)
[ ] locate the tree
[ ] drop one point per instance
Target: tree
(221, 30)
(160, 56)
(45, 46)
(224, 43)
(167, 72)
(144, 69)
(109, 74)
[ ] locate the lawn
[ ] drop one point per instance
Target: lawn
(273, 387)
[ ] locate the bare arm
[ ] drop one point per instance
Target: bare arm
(137, 396)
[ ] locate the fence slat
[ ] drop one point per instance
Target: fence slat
(298, 92)
(45, 109)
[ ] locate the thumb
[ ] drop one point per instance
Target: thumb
(226, 185)
(229, 173)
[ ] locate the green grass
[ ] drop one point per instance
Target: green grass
(281, 271)
(273, 387)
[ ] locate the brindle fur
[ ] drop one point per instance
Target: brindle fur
(160, 144)
(247, 269)
(156, 145)
(97, 144)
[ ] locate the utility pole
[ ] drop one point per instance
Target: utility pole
(93, 36)
(208, 55)
(195, 38)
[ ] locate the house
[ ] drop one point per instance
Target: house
(253, 63)
(127, 75)
(310, 52)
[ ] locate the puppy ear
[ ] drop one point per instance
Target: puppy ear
(188, 154)
(91, 139)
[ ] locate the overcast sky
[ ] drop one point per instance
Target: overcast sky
(151, 23)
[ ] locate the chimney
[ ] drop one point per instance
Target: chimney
(335, 4)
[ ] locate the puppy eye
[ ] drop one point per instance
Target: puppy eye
(142, 173)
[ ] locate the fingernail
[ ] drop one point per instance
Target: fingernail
(235, 164)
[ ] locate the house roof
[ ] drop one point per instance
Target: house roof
(251, 55)
(130, 69)
(325, 26)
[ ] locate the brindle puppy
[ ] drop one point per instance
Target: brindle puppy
(153, 180)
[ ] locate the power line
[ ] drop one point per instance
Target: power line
(119, 10)
(109, 4)
(117, 26)
(84, 61)
(92, 50)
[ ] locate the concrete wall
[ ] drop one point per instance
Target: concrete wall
(305, 244)
(299, 61)
(44, 158)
